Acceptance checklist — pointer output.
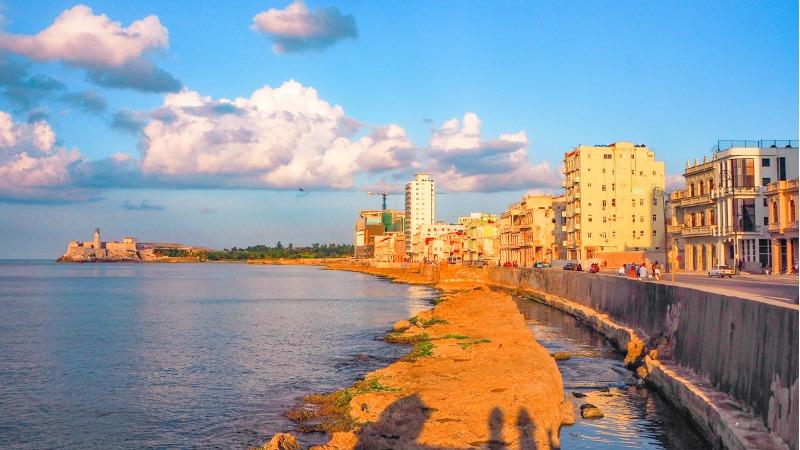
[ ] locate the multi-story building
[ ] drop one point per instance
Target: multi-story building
(527, 231)
(420, 205)
(783, 208)
(481, 238)
(559, 227)
(372, 223)
(614, 203)
(390, 247)
(427, 245)
(722, 215)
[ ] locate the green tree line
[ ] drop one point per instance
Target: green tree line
(279, 251)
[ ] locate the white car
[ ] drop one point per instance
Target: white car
(721, 271)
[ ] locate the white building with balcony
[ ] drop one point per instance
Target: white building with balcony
(722, 214)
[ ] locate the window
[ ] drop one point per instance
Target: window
(633, 218)
(641, 202)
(607, 156)
(782, 169)
(633, 156)
(613, 234)
(604, 204)
(654, 233)
(604, 170)
(641, 233)
(792, 212)
(712, 217)
(603, 188)
(654, 217)
(765, 181)
(634, 234)
(641, 219)
(744, 213)
(633, 203)
(633, 172)
(765, 202)
(613, 202)
(641, 173)
(590, 217)
(764, 162)
(766, 220)
(604, 219)
(654, 172)
(588, 234)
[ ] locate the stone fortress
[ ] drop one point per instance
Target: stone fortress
(114, 251)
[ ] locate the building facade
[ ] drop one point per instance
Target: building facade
(783, 209)
(527, 231)
(372, 223)
(481, 238)
(722, 216)
(420, 205)
(428, 242)
(390, 247)
(614, 202)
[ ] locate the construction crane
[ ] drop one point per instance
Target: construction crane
(383, 195)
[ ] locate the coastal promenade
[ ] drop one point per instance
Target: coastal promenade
(474, 378)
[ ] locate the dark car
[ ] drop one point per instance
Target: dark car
(569, 266)
(594, 268)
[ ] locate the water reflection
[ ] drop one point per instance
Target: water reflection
(635, 417)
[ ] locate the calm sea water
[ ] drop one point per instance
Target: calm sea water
(635, 417)
(181, 355)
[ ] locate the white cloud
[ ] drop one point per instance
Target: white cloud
(461, 161)
(296, 28)
(280, 138)
(79, 37)
(32, 166)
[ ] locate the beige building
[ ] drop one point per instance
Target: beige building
(722, 216)
(420, 205)
(527, 231)
(427, 244)
(614, 203)
(783, 209)
(390, 247)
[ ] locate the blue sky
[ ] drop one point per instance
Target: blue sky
(674, 75)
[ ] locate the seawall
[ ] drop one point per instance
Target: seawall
(720, 358)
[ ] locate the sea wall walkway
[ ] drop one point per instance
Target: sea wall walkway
(712, 350)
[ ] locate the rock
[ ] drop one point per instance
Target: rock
(605, 389)
(653, 354)
(589, 411)
(578, 395)
(282, 441)
(401, 325)
(641, 372)
(560, 356)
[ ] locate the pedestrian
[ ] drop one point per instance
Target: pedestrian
(621, 271)
(656, 273)
(633, 271)
(642, 272)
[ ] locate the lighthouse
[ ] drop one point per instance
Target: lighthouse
(96, 241)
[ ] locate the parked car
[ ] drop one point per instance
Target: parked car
(541, 265)
(569, 266)
(594, 268)
(507, 264)
(721, 271)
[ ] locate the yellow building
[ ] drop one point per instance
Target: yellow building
(481, 238)
(782, 203)
(372, 223)
(527, 231)
(614, 197)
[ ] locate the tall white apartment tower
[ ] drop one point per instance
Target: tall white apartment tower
(420, 205)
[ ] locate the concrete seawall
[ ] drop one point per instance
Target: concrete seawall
(743, 348)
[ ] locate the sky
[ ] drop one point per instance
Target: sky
(198, 122)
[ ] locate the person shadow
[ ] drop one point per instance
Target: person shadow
(401, 424)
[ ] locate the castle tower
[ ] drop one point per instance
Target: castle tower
(96, 243)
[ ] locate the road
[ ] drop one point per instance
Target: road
(781, 289)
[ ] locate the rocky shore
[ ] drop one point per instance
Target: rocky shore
(474, 378)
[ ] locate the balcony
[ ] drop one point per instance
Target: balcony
(677, 196)
(675, 229)
(704, 230)
(697, 200)
(791, 226)
(783, 185)
(739, 190)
